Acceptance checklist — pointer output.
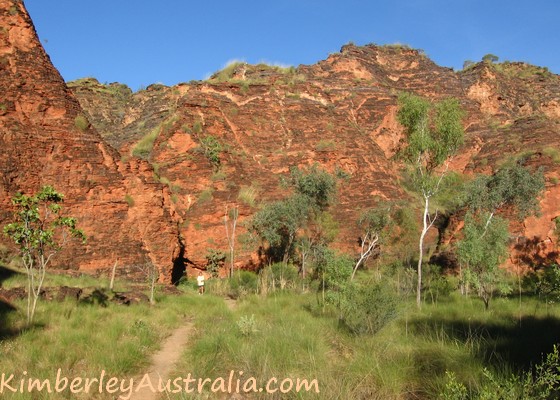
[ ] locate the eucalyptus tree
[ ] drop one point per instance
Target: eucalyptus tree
(40, 231)
(485, 235)
(433, 134)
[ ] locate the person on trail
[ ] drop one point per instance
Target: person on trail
(200, 282)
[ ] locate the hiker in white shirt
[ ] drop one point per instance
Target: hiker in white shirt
(200, 282)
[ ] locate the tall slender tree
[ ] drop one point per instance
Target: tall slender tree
(433, 134)
(230, 222)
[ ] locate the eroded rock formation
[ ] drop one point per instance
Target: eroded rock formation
(138, 178)
(46, 139)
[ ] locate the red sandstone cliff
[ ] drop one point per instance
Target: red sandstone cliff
(45, 139)
(339, 113)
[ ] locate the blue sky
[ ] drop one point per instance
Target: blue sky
(140, 42)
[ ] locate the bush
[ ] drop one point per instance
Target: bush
(243, 283)
(248, 195)
(325, 146)
(81, 122)
(282, 276)
(247, 325)
(144, 147)
(130, 200)
(436, 283)
(215, 260)
(212, 149)
(544, 283)
(367, 309)
(542, 383)
(205, 195)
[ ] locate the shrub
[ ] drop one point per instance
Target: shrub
(205, 195)
(81, 122)
(247, 325)
(545, 283)
(144, 147)
(212, 149)
(243, 283)
(219, 175)
(248, 195)
(215, 260)
(197, 127)
(542, 383)
(553, 153)
(325, 145)
(436, 283)
(227, 73)
(128, 198)
(367, 309)
(281, 275)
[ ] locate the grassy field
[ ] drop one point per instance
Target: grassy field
(285, 336)
(408, 359)
(83, 338)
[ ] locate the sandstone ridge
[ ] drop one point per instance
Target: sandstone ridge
(46, 139)
(139, 180)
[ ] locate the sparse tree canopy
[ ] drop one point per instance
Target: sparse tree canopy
(512, 186)
(490, 58)
(278, 223)
(433, 134)
(39, 231)
(485, 243)
(468, 63)
(374, 225)
(316, 184)
(482, 250)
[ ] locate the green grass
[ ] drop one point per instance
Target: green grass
(248, 195)
(408, 358)
(206, 195)
(144, 147)
(286, 335)
(83, 339)
(15, 277)
(553, 153)
(325, 145)
(219, 175)
(81, 122)
(129, 200)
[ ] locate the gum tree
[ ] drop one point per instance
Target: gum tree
(433, 133)
(374, 224)
(485, 242)
(39, 231)
(279, 224)
(230, 222)
(483, 248)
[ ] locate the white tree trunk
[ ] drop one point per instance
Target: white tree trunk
(425, 227)
(367, 248)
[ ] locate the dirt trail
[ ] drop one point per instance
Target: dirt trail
(231, 303)
(164, 360)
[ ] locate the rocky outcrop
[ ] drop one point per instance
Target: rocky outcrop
(139, 179)
(46, 139)
(339, 113)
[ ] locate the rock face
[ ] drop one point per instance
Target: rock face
(46, 139)
(339, 113)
